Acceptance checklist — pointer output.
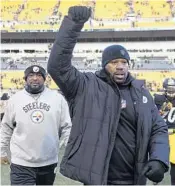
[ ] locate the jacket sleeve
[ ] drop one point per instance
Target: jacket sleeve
(65, 123)
(66, 76)
(157, 101)
(159, 142)
(7, 127)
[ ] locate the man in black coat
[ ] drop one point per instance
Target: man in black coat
(118, 136)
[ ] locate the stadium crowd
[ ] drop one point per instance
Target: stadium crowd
(153, 79)
(42, 15)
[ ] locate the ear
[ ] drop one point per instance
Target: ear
(129, 65)
(105, 67)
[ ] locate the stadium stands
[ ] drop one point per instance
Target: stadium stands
(154, 79)
(9, 9)
(148, 56)
(152, 61)
(152, 8)
(111, 10)
(44, 15)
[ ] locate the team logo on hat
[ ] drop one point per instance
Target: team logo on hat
(122, 52)
(171, 82)
(37, 116)
(35, 69)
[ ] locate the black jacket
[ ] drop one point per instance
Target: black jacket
(95, 110)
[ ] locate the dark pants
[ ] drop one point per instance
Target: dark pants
(21, 175)
(172, 173)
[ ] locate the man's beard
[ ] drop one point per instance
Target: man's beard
(34, 90)
(118, 79)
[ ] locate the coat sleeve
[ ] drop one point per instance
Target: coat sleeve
(159, 142)
(65, 123)
(7, 126)
(157, 101)
(66, 76)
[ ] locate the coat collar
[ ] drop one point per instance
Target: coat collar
(138, 84)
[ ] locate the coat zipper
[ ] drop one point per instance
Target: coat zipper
(138, 143)
(111, 148)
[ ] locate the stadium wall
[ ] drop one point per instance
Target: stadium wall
(91, 36)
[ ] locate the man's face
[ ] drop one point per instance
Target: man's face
(118, 70)
(35, 81)
(170, 92)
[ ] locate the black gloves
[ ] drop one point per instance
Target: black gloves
(154, 171)
(79, 14)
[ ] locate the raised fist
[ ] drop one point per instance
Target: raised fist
(79, 14)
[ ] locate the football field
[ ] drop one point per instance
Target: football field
(60, 180)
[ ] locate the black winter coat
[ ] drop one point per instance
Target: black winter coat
(95, 111)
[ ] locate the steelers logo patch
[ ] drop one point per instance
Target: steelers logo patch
(35, 69)
(37, 116)
(171, 82)
(122, 52)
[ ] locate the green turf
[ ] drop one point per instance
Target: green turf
(60, 180)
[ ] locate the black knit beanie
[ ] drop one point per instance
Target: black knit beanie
(35, 69)
(114, 52)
